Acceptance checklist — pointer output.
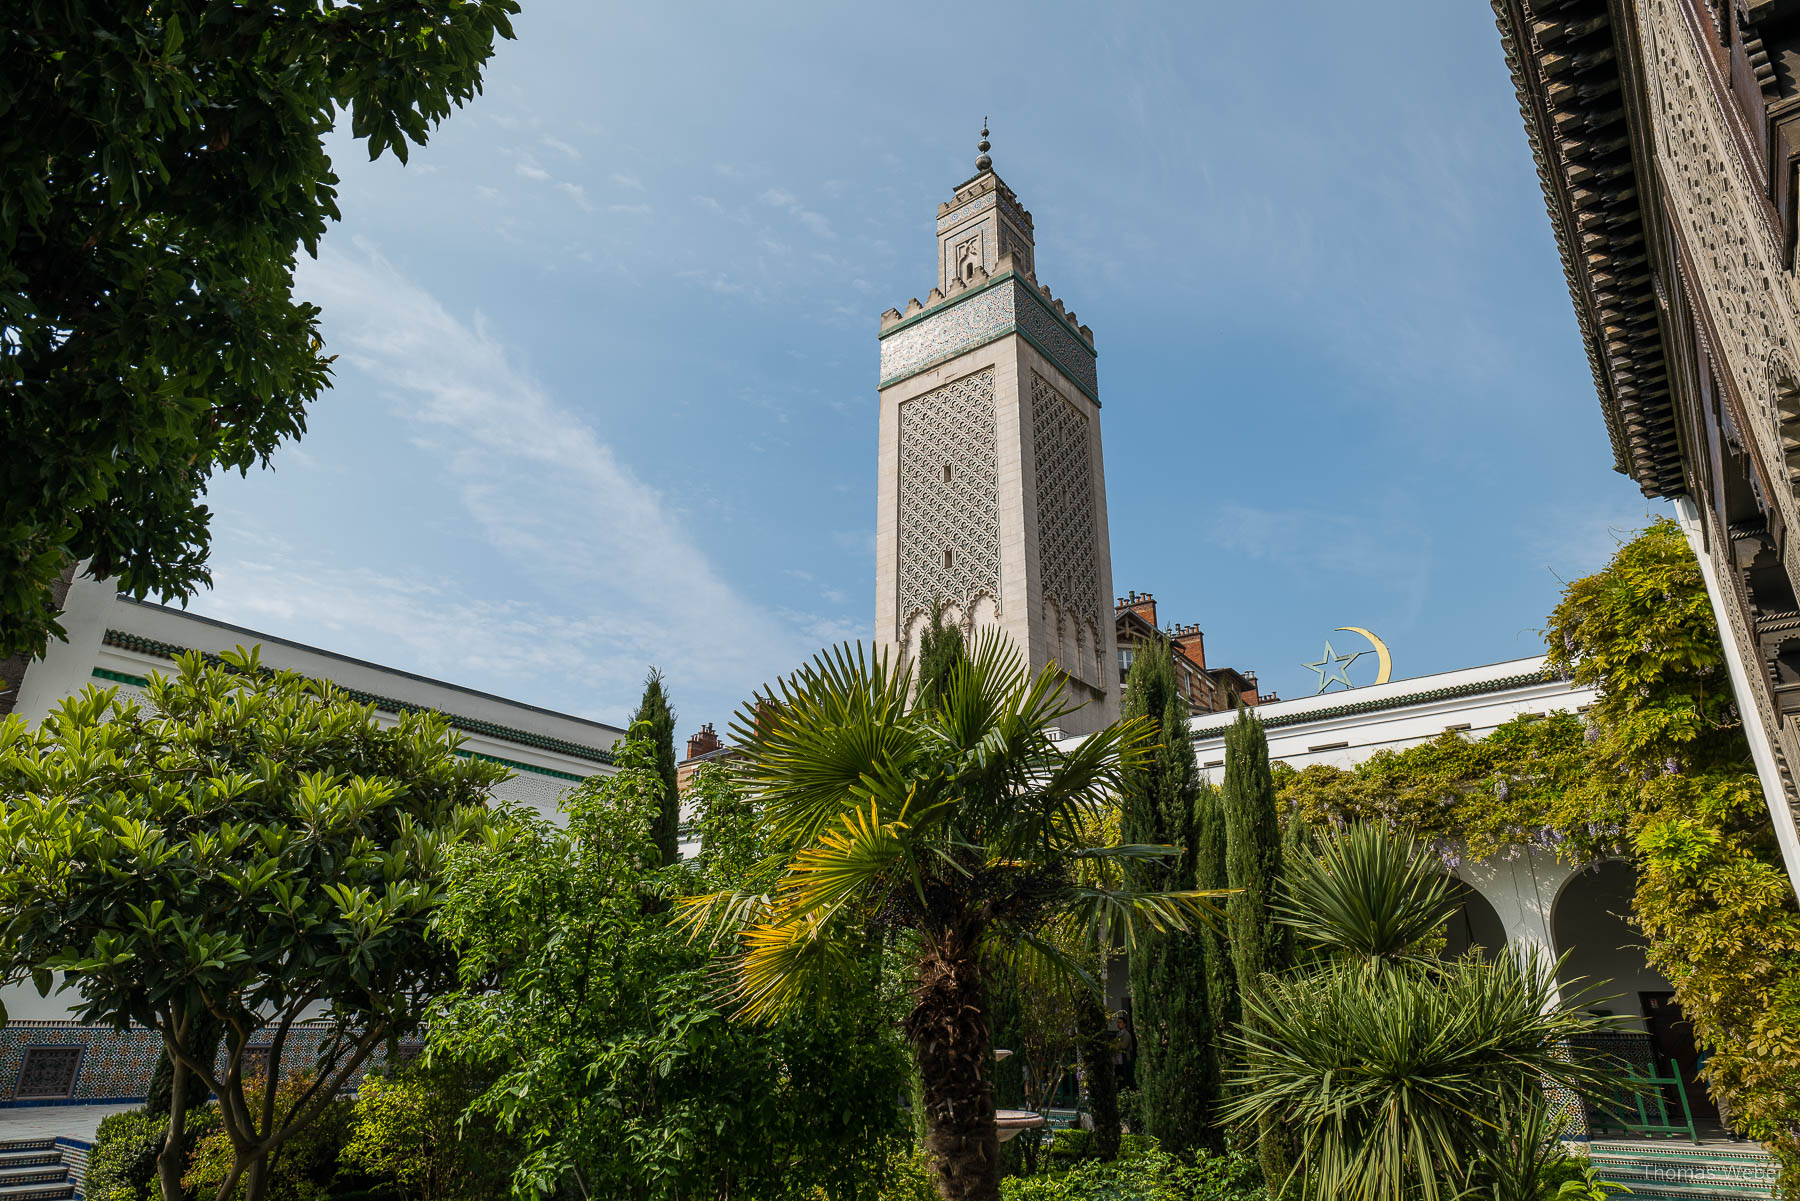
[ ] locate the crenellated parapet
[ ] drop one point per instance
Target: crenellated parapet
(982, 309)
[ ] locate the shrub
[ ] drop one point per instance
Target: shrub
(404, 1129)
(301, 1170)
(1148, 1176)
(122, 1165)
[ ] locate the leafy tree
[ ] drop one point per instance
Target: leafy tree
(658, 722)
(616, 1067)
(307, 1165)
(245, 844)
(1401, 1074)
(408, 1127)
(941, 648)
(1177, 1062)
(172, 165)
(960, 826)
(1260, 946)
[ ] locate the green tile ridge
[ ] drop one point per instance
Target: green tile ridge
(1449, 692)
(472, 725)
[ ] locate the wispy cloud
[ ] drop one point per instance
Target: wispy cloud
(789, 203)
(560, 146)
(588, 540)
(1314, 545)
(633, 210)
(578, 194)
(531, 170)
(626, 179)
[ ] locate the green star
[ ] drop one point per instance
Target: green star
(1333, 668)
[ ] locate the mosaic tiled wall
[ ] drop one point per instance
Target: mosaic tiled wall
(992, 313)
(116, 1064)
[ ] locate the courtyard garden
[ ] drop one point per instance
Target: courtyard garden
(912, 909)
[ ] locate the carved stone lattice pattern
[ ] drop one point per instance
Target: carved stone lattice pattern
(1734, 259)
(949, 517)
(48, 1072)
(1068, 556)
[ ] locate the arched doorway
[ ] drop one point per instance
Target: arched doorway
(1604, 965)
(1474, 925)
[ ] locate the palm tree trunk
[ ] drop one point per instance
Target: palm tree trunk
(948, 1030)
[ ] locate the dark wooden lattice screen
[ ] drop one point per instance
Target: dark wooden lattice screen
(48, 1072)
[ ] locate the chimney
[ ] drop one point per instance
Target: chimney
(1144, 605)
(704, 742)
(1191, 642)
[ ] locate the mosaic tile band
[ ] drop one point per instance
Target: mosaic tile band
(1006, 306)
(116, 1065)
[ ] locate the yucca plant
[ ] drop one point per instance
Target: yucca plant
(957, 824)
(1401, 1074)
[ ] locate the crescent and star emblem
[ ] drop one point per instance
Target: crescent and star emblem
(1334, 667)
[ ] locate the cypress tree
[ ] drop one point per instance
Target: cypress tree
(940, 650)
(1222, 1007)
(1097, 1070)
(1178, 1073)
(658, 726)
(1253, 864)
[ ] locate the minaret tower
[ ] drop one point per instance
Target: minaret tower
(992, 495)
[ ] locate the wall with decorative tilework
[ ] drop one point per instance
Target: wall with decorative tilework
(116, 1065)
(1007, 305)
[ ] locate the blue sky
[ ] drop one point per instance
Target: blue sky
(606, 386)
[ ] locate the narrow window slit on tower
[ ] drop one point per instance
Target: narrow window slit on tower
(946, 473)
(946, 557)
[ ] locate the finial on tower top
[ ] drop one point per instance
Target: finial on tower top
(984, 163)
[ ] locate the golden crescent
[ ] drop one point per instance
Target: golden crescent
(1383, 659)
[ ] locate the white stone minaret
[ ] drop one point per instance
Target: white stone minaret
(992, 493)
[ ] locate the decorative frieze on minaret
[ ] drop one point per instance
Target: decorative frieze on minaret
(992, 493)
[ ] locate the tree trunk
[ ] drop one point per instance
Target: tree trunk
(172, 1157)
(948, 1030)
(1102, 1084)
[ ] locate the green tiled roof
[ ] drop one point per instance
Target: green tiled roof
(1352, 708)
(472, 725)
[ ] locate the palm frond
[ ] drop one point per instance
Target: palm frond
(1114, 914)
(847, 863)
(722, 913)
(785, 959)
(814, 740)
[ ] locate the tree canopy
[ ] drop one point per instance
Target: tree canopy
(607, 1049)
(161, 164)
(243, 844)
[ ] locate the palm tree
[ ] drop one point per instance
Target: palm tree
(1402, 1074)
(956, 825)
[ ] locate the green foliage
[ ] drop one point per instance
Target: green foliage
(244, 842)
(1149, 1175)
(1367, 897)
(407, 1128)
(1657, 771)
(122, 1165)
(654, 723)
(614, 1064)
(1401, 1074)
(151, 210)
(941, 648)
(959, 829)
(1260, 946)
(1178, 1068)
(302, 1169)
